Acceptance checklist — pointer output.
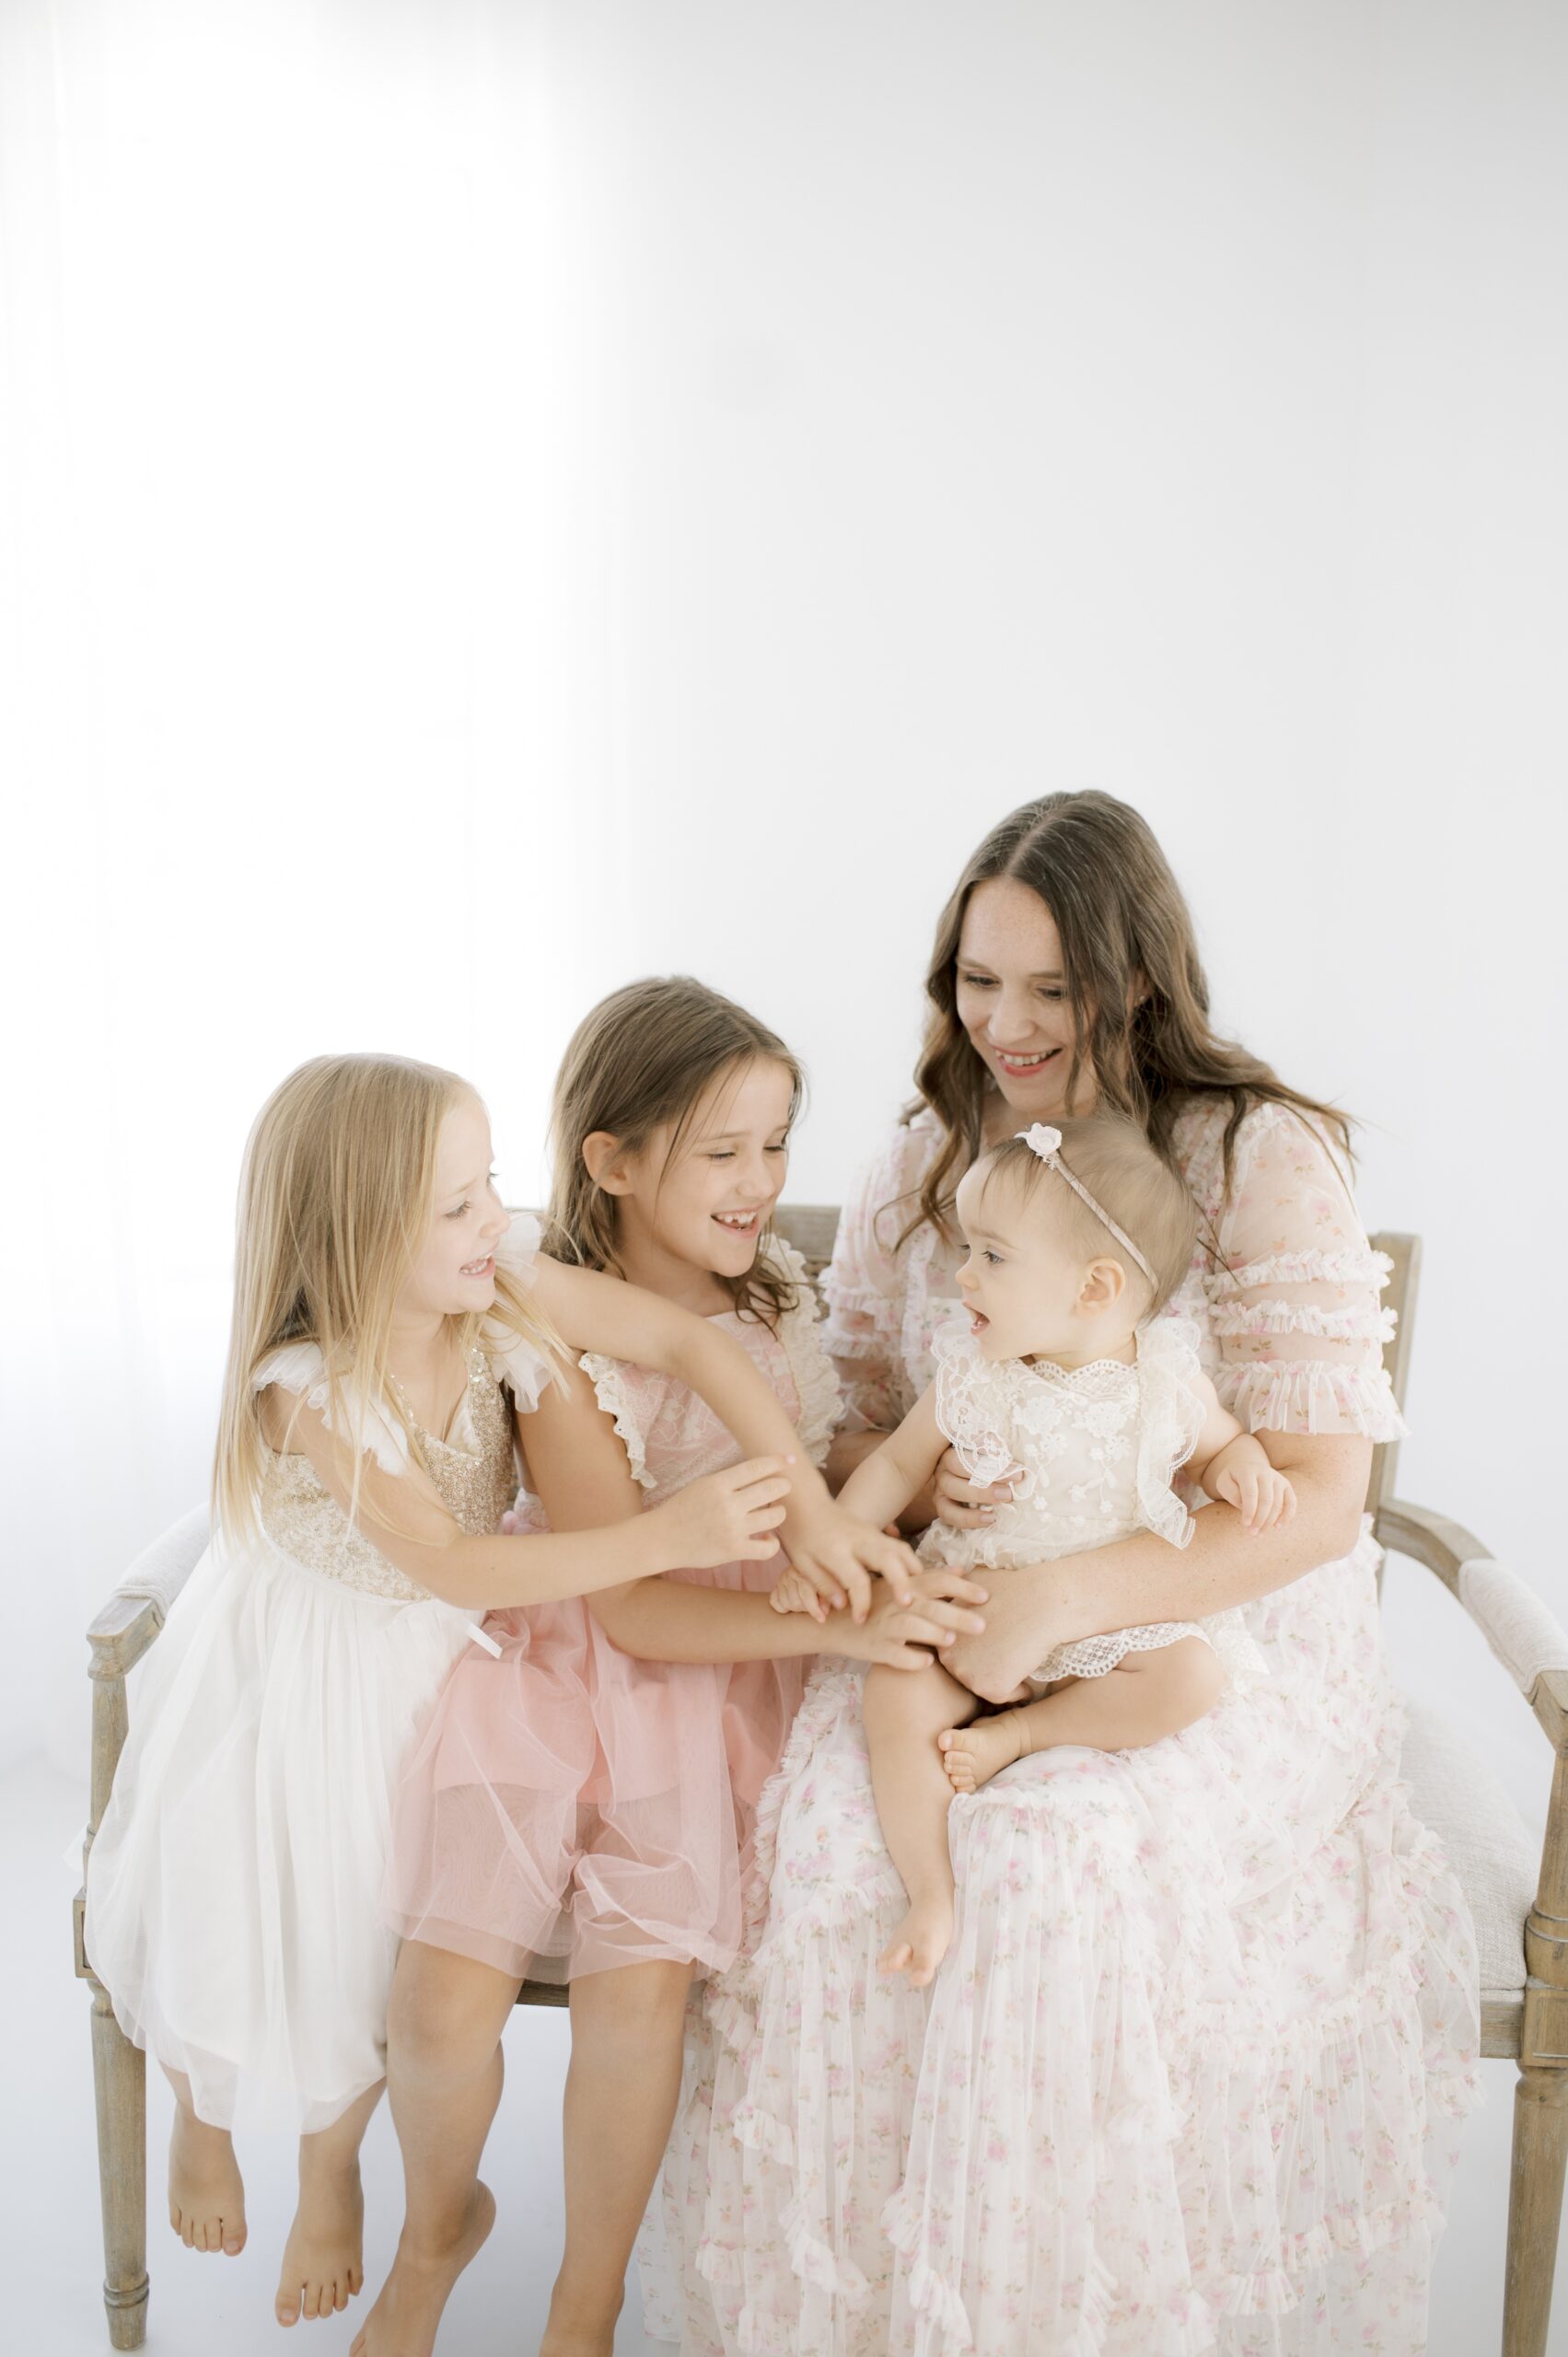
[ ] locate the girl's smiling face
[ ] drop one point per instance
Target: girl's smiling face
(1010, 984)
(699, 1201)
(455, 1272)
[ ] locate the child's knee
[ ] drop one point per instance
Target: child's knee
(439, 2022)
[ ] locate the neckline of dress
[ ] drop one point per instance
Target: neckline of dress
(1049, 1372)
(478, 1365)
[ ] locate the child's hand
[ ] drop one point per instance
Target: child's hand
(837, 1553)
(793, 1592)
(1263, 1498)
(901, 1634)
(725, 1517)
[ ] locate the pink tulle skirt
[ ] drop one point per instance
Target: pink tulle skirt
(570, 1808)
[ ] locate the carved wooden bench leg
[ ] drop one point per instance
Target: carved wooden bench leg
(120, 2082)
(1535, 2208)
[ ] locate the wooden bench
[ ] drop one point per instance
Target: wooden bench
(1519, 1900)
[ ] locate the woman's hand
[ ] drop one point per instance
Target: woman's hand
(964, 1505)
(1017, 1635)
(900, 1635)
(727, 1517)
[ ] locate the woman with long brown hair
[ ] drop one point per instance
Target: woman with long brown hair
(1190, 2074)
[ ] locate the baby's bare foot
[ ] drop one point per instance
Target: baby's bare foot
(323, 2261)
(921, 1942)
(972, 1755)
(407, 2313)
(206, 2193)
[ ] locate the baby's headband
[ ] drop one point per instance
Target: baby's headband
(1043, 1140)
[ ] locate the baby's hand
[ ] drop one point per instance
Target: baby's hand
(1263, 1498)
(793, 1592)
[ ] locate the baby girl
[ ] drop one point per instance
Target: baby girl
(1064, 1382)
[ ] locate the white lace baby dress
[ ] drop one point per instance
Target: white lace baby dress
(1097, 1449)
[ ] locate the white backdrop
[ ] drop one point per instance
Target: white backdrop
(500, 498)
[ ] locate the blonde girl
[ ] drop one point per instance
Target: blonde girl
(581, 1806)
(391, 1324)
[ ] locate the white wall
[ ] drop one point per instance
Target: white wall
(502, 499)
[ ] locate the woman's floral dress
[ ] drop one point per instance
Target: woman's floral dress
(1192, 2074)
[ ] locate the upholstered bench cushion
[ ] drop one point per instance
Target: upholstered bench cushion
(1457, 1794)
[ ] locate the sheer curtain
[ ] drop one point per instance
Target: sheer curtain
(294, 721)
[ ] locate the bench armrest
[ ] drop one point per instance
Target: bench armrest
(132, 1615)
(1529, 1641)
(1517, 1624)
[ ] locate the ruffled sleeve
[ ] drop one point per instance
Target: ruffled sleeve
(1294, 1304)
(299, 1367)
(971, 1407)
(801, 1333)
(520, 1364)
(864, 1284)
(613, 1393)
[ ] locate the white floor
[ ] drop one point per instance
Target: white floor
(48, 2225)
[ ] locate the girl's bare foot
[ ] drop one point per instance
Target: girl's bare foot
(972, 1755)
(408, 2308)
(921, 1942)
(323, 2261)
(206, 2192)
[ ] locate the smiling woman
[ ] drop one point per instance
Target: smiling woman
(1190, 2073)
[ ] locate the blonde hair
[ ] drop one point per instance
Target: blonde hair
(335, 1196)
(644, 1058)
(1115, 1160)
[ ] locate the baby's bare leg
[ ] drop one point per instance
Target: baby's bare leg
(905, 1712)
(207, 2194)
(1145, 1697)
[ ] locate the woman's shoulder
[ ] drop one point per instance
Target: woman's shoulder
(1293, 1136)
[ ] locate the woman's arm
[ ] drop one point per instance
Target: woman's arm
(1143, 1578)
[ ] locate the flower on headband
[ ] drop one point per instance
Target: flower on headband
(1041, 1139)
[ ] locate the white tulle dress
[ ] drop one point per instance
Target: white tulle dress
(234, 1886)
(1191, 2075)
(1097, 1450)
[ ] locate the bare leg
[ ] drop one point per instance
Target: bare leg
(444, 2069)
(905, 1712)
(1145, 1697)
(206, 2193)
(621, 2095)
(323, 2261)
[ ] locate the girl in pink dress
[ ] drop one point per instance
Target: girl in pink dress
(581, 1805)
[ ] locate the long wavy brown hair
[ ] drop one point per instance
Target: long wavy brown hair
(1126, 934)
(644, 1058)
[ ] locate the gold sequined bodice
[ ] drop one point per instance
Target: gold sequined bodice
(475, 1474)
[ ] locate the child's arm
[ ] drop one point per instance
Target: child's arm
(578, 1469)
(599, 1313)
(723, 1519)
(883, 1484)
(1231, 1467)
